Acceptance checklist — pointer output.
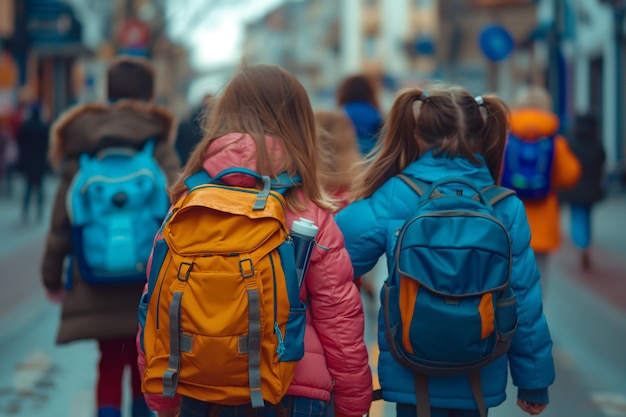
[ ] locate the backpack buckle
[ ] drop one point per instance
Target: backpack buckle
(246, 268)
(184, 270)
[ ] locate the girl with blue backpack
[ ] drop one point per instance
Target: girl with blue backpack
(431, 136)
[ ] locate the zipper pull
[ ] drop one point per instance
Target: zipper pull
(280, 350)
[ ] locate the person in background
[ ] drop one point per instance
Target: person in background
(105, 312)
(586, 144)
(264, 121)
(340, 163)
(339, 155)
(446, 132)
(531, 118)
(356, 96)
(190, 130)
(8, 154)
(32, 140)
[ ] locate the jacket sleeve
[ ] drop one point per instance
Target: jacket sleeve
(530, 356)
(338, 317)
(364, 234)
(566, 170)
(59, 239)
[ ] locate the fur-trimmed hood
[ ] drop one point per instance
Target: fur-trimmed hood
(91, 127)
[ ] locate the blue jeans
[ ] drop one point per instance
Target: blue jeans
(581, 225)
(295, 406)
(409, 410)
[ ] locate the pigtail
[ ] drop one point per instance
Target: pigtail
(494, 133)
(398, 148)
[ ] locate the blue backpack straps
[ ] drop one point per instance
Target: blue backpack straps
(491, 194)
(420, 187)
(494, 193)
(281, 184)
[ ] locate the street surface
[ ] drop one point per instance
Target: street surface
(586, 313)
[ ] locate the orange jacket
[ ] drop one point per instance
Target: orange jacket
(543, 215)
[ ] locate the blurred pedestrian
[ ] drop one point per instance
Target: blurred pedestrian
(357, 97)
(546, 165)
(8, 155)
(434, 136)
(339, 155)
(105, 312)
(586, 143)
(190, 130)
(263, 121)
(32, 139)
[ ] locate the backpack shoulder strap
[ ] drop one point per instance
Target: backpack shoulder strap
(494, 193)
(199, 178)
(420, 187)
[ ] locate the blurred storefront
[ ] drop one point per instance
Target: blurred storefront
(138, 28)
(44, 41)
(61, 49)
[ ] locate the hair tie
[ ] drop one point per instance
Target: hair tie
(479, 100)
(423, 96)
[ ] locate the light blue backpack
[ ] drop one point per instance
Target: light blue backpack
(115, 204)
(448, 305)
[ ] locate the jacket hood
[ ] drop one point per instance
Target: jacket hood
(88, 127)
(533, 124)
(429, 168)
(238, 150)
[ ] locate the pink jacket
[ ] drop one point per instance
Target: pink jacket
(335, 356)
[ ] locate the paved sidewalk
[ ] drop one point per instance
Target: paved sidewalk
(607, 275)
(21, 249)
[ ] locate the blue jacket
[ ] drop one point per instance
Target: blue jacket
(369, 225)
(367, 122)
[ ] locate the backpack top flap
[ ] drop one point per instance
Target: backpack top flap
(453, 234)
(195, 220)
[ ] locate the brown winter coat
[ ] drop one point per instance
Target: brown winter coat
(99, 312)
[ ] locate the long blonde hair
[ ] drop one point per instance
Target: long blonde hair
(446, 119)
(264, 100)
(339, 150)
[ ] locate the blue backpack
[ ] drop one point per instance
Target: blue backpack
(115, 204)
(448, 306)
(527, 166)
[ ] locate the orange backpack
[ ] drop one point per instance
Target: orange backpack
(223, 318)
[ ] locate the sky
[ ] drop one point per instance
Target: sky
(212, 29)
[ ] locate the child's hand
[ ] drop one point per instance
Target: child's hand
(168, 413)
(531, 408)
(55, 296)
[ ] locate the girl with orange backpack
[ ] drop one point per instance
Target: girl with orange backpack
(263, 121)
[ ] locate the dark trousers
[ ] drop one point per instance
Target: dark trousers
(291, 406)
(409, 410)
(33, 183)
(115, 356)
